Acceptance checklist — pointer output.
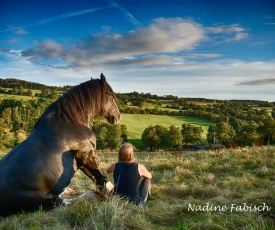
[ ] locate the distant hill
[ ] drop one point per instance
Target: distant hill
(12, 82)
(132, 96)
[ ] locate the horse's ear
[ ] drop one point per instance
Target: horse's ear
(102, 78)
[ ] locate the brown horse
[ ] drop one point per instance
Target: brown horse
(36, 172)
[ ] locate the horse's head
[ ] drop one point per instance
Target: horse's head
(110, 109)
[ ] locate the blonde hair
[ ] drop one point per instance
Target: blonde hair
(126, 153)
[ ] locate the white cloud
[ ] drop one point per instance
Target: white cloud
(241, 36)
(225, 29)
(227, 33)
(46, 49)
(202, 55)
(227, 79)
(162, 36)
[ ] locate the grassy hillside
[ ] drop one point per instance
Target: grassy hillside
(136, 123)
(228, 178)
(16, 97)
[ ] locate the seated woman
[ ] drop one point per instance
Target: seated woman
(132, 180)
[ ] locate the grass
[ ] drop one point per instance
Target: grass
(268, 109)
(136, 123)
(16, 97)
(222, 178)
(2, 153)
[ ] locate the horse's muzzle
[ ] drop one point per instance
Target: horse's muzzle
(113, 120)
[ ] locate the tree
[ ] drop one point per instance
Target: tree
(175, 137)
(150, 138)
(124, 133)
(15, 129)
(163, 134)
(191, 134)
(20, 90)
(249, 134)
(114, 136)
(15, 91)
(273, 113)
(29, 93)
(224, 133)
(45, 92)
(102, 135)
(267, 131)
(7, 116)
(108, 136)
(155, 137)
(54, 94)
(211, 134)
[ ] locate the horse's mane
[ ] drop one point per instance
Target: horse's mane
(83, 101)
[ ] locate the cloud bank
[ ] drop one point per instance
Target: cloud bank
(163, 40)
(161, 58)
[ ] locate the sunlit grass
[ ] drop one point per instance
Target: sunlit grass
(220, 178)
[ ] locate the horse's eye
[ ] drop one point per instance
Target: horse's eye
(111, 94)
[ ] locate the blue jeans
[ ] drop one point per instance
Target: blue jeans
(144, 191)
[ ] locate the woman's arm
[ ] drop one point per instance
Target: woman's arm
(144, 172)
(111, 168)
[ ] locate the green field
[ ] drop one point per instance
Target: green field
(16, 97)
(136, 123)
(225, 178)
(22, 97)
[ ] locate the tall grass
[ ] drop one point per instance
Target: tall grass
(222, 178)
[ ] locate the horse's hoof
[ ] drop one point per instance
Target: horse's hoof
(109, 187)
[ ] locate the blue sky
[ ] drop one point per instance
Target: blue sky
(212, 49)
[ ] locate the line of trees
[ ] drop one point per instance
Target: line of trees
(243, 134)
(159, 137)
(241, 122)
(236, 123)
(17, 119)
(45, 93)
(17, 83)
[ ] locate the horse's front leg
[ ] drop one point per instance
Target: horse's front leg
(88, 162)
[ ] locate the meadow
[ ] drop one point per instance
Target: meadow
(137, 123)
(233, 178)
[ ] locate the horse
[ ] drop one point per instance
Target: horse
(35, 173)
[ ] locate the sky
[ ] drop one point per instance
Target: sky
(222, 49)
